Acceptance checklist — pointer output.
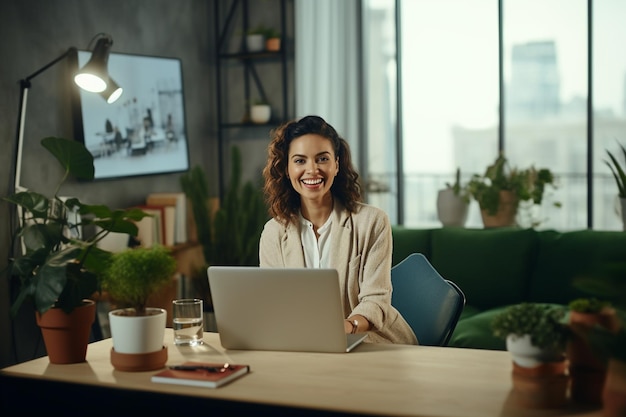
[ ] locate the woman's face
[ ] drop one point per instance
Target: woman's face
(312, 166)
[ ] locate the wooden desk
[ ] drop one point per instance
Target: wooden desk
(388, 380)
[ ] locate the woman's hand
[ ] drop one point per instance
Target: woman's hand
(356, 324)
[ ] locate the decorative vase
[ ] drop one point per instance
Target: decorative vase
(451, 209)
(260, 113)
(614, 392)
(66, 336)
(138, 340)
(507, 210)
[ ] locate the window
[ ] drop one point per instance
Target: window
(609, 106)
(449, 76)
(545, 78)
(451, 112)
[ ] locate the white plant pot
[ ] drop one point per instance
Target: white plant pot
(451, 209)
(138, 334)
(255, 43)
(260, 113)
(527, 355)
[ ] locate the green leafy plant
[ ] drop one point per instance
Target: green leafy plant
(618, 172)
(232, 236)
(133, 275)
(588, 305)
(528, 185)
(59, 267)
(543, 322)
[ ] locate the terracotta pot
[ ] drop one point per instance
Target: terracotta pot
(505, 216)
(587, 370)
(614, 393)
(542, 386)
(66, 336)
(272, 44)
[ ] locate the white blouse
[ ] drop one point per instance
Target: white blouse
(316, 251)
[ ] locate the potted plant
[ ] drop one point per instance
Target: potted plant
(502, 188)
(137, 330)
(536, 337)
(620, 180)
(453, 203)
(255, 39)
(59, 266)
(609, 342)
(534, 333)
(586, 368)
(272, 40)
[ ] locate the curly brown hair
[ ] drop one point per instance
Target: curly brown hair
(282, 200)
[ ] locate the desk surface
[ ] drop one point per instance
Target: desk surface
(390, 380)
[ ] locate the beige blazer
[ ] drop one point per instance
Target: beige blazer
(361, 248)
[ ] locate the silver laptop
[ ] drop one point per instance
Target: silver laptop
(279, 309)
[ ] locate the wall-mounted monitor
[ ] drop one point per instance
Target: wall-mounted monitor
(144, 131)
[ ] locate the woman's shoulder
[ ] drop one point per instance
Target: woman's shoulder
(367, 210)
(368, 214)
(275, 227)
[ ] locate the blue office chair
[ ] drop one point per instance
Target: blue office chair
(430, 304)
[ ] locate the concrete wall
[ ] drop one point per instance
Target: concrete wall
(33, 33)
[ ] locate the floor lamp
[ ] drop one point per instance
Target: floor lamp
(92, 77)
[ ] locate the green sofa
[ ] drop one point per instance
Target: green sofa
(499, 267)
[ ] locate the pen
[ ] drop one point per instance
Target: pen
(222, 368)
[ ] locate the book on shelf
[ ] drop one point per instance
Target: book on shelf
(158, 213)
(149, 230)
(201, 374)
(179, 201)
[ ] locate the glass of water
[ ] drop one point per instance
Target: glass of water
(188, 323)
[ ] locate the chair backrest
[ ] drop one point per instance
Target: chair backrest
(430, 304)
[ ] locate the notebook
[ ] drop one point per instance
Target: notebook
(282, 309)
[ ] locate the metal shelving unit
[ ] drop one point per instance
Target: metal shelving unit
(248, 61)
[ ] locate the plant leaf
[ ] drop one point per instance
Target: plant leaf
(72, 155)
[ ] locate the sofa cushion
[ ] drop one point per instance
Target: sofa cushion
(475, 332)
(491, 266)
(563, 256)
(407, 241)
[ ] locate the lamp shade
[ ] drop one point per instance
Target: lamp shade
(112, 91)
(94, 75)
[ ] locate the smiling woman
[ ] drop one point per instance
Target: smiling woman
(318, 221)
